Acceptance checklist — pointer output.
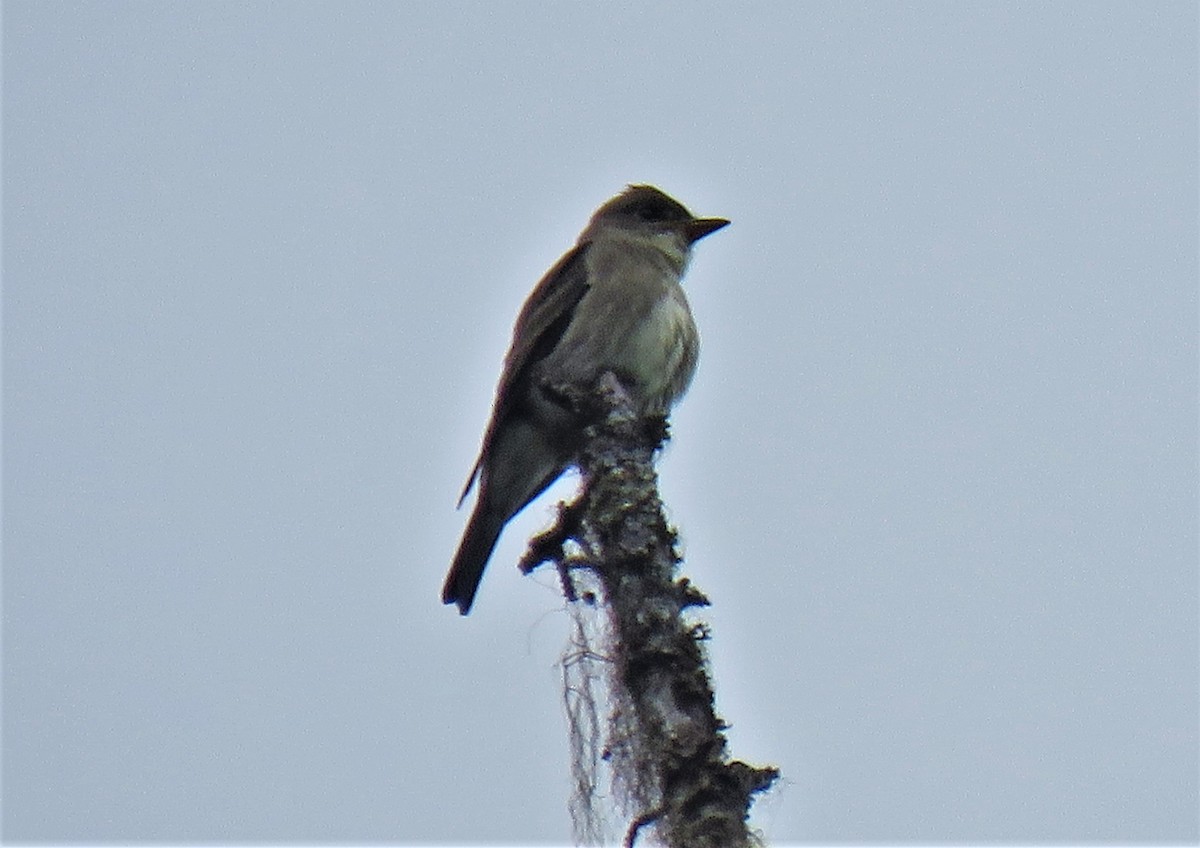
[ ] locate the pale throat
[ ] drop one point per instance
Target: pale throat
(669, 245)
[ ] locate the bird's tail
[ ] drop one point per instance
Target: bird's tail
(473, 552)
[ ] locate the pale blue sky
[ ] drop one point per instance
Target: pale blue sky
(937, 471)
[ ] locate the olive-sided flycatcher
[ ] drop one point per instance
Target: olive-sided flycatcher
(612, 303)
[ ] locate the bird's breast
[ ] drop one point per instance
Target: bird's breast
(633, 320)
(646, 337)
(660, 352)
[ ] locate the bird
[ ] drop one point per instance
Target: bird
(612, 303)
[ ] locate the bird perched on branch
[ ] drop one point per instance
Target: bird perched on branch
(613, 303)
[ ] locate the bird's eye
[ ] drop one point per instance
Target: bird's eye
(653, 212)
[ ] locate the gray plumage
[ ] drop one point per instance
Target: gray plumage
(613, 303)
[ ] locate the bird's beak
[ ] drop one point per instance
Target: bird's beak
(698, 228)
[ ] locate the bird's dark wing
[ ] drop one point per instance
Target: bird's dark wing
(542, 321)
